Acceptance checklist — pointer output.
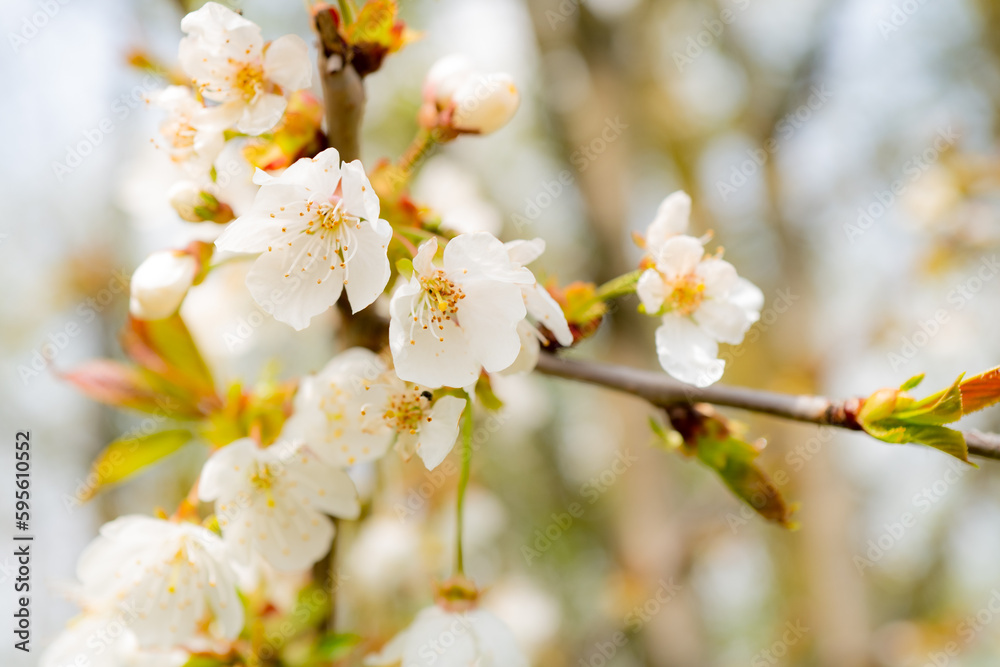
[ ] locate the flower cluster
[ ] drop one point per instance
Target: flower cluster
(451, 309)
(700, 299)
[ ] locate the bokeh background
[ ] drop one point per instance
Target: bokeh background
(843, 152)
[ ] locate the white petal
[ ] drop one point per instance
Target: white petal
(688, 353)
(525, 252)
(213, 19)
(431, 358)
(485, 103)
(437, 435)
(651, 291)
(489, 315)
(445, 77)
(718, 275)
(258, 230)
(295, 283)
(679, 256)
(725, 322)
(495, 641)
(548, 313)
(531, 347)
(159, 284)
(286, 63)
(262, 114)
(360, 199)
(671, 220)
(368, 268)
(747, 296)
(226, 470)
(480, 254)
(423, 261)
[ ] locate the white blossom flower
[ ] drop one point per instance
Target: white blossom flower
(105, 640)
(159, 284)
(702, 302)
(318, 230)
(273, 501)
(540, 305)
(229, 63)
(356, 407)
(448, 324)
(442, 638)
(193, 133)
(175, 576)
(459, 97)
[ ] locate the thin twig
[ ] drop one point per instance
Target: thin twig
(662, 391)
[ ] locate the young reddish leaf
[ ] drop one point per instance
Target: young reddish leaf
(128, 455)
(114, 383)
(980, 391)
(376, 33)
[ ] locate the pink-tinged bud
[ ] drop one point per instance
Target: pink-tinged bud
(160, 283)
(458, 99)
(485, 103)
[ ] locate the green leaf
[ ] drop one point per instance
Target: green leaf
(733, 460)
(405, 267)
(126, 456)
(666, 438)
(943, 407)
(165, 347)
(485, 394)
(335, 647)
(912, 382)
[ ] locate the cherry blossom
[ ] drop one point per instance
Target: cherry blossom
(442, 638)
(273, 501)
(701, 302)
(318, 230)
(193, 133)
(176, 576)
(229, 63)
(105, 640)
(449, 323)
(356, 407)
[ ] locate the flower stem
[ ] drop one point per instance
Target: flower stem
(463, 482)
(620, 286)
(416, 152)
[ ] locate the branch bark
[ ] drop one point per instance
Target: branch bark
(343, 90)
(663, 391)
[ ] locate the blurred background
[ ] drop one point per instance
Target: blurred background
(845, 155)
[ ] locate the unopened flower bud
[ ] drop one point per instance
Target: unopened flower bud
(484, 104)
(458, 99)
(445, 77)
(159, 284)
(195, 204)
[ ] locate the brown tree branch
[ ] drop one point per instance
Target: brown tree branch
(343, 89)
(663, 391)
